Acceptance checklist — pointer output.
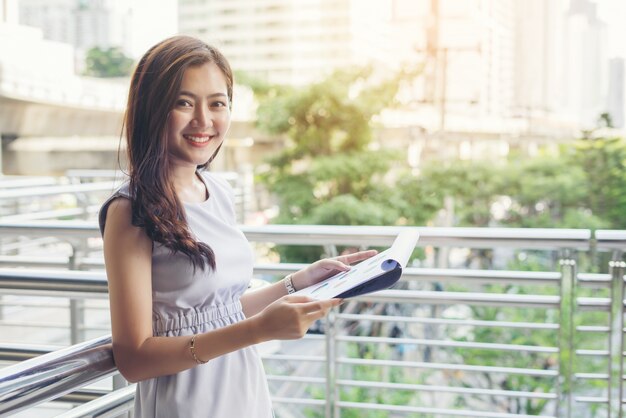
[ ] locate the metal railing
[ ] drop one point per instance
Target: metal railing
(333, 369)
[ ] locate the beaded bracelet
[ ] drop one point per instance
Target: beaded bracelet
(192, 349)
(289, 284)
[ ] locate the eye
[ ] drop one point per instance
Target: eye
(218, 103)
(183, 103)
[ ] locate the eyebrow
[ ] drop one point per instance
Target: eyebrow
(187, 93)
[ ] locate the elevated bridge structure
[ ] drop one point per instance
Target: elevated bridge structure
(50, 109)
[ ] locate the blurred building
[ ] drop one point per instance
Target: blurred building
(493, 69)
(539, 55)
(584, 81)
(615, 102)
(85, 24)
(291, 41)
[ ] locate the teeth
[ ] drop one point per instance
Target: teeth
(198, 139)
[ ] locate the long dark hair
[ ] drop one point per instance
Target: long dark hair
(154, 88)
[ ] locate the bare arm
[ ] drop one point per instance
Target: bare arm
(138, 354)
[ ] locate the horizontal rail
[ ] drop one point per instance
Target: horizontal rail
(298, 379)
(592, 328)
(299, 401)
(446, 389)
(82, 283)
(36, 192)
(384, 236)
(449, 344)
(591, 399)
(9, 182)
(74, 283)
(51, 214)
(21, 352)
(55, 374)
(69, 230)
(69, 283)
(466, 298)
(445, 366)
(112, 404)
(435, 411)
(293, 357)
(594, 280)
(440, 321)
(611, 238)
(355, 235)
(440, 274)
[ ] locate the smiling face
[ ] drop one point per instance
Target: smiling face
(200, 119)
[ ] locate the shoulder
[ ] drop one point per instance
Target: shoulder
(120, 195)
(118, 210)
(119, 227)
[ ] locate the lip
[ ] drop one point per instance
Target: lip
(206, 139)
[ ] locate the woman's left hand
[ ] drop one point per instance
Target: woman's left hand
(326, 267)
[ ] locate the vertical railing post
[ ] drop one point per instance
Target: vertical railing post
(118, 383)
(77, 323)
(77, 308)
(616, 336)
(566, 335)
(330, 334)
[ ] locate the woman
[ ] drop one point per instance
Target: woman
(176, 263)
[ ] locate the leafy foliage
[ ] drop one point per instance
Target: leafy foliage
(603, 160)
(327, 173)
(110, 62)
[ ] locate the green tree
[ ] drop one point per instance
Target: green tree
(474, 186)
(110, 62)
(327, 173)
(603, 160)
(548, 192)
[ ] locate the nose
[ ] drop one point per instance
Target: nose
(202, 118)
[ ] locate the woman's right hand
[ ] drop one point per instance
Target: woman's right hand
(289, 317)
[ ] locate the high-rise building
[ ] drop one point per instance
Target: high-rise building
(510, 66)
(538, 40)
(584, 78)
(101, 23)
(615, 102)
(290, 41)
(467, 47)
(83, 24)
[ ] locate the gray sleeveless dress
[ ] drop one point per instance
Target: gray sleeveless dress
(185, 303)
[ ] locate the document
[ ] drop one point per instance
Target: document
(376, 273)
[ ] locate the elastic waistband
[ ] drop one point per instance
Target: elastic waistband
(196, 318)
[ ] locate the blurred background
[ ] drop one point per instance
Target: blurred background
(504, 116)
(429, 90)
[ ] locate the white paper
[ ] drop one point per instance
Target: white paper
(392, 258)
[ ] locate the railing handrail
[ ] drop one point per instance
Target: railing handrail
(57, 189)
(54, 374)
(608, 238)
(94, 284)
(84, 283)
(350, 235)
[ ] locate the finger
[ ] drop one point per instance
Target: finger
(334, 264)
(320, 305)
(314, 316)
(298, 299)
(358, 256)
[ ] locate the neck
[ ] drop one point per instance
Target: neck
(183, 178)
(188, 186)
